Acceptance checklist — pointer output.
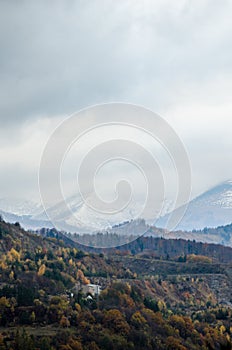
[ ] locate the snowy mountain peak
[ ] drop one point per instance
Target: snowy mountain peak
(211, 209)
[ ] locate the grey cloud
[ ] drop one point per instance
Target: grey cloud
(16, 181)
(59, 57)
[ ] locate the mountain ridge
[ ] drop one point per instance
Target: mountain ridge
(212, 208)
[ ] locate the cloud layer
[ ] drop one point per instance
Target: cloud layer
(172, 57)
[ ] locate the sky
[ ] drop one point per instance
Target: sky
(172, 57)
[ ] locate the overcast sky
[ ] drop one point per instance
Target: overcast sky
(173, 57)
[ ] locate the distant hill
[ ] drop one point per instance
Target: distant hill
(26, 221)
(219, 235)
(211, 209)
(155, 246)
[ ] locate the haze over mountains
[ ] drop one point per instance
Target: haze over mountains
(213, 208)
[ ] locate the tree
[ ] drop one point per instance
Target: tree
(32, 317)
(42, 270)
(115, 320)
(23, 341)
(2, 345)
(174, 344)
(81, 277)
(138, 320)
(44, 343)
(14, 254)
(64, 322)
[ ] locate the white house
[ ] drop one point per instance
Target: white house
(93, 289)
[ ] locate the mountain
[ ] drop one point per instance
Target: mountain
(75, 216)
(19, 206)
(211, 209)
(22, 211)
(26, 221)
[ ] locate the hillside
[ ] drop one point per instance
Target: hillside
(211, 209)
(154, 241)
(148, 300)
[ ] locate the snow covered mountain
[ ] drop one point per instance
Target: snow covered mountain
(23, 211)
(211, 209)
(26, 221)
(71, 216)
(75, 216)
(19, 206)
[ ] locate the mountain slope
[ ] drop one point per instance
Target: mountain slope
(211, 209)
(75, 216)
(19, 206)
(26, 221)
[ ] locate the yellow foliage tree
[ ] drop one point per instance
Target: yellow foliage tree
(32, 317)
(4, 302)
(81, 277)
(3, 265)
(161, 305)
(138, 320)
(42, 270)
(78, 307)
(11, 275)
(15, 255)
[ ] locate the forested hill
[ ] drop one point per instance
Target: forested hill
(172, 248)
(154, 246)
(168, 297)
(15, 237)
